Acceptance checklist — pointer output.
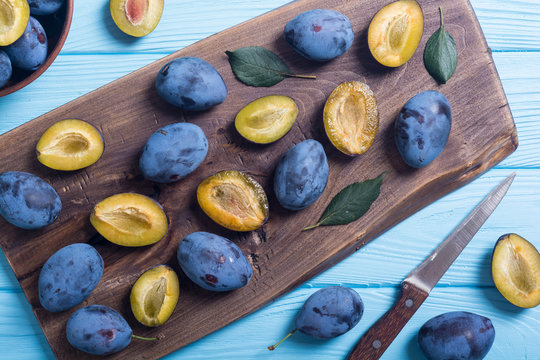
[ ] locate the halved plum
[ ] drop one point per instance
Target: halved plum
(70, 145)
(154, 295)
(14, 16)
(395, 32)
(234, 200)
(266, 119)
(130, 219)
(351, 117)
(515, 267)
(136, 17)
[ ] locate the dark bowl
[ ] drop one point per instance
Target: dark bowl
(56, 27)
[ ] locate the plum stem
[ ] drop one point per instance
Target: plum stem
(442, 19)
(273, 347)
(311, 227)
(313, 77)
(143, 338)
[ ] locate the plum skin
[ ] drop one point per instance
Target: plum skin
(45, 7)
(422, 128)
(213, 262)
(320, 34)
(330, 312)
(27, 201)
(456, 335)
(30, 50)
(98, 330)
(69, 276)
(301, 175)
(173, 152)
(191, 84)
(6, 69)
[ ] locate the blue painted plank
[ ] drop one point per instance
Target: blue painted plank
(517, 331)
(376, 270)
(507, 25)
(71, 76)
(510, 25)
(467, 285)
(181, 24)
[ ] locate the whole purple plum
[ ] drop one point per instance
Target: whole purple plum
(45, 7)
(191, 84)
(330, 312)
(98, 330)
(301, 175)
(320, 34)
(30, 50)
(456, 335)
(5, 69)
(69, 276)
(173, 152)
(27, 201)
(422, 128)
(213, 262)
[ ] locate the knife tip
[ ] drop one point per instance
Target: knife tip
(511, 176)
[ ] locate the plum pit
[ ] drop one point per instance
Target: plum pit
(135, 11)
(128, 220)
(153, 301)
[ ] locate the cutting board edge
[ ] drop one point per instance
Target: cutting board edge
(343, 252)
(131, 74)
(506, 149)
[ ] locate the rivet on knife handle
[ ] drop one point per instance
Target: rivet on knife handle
(374, 343)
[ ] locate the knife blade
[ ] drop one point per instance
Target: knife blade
(419, 283)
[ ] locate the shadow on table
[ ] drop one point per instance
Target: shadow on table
(115, 32)
(413, 350)
(491, 293)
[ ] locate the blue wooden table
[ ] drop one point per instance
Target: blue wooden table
(96, 53)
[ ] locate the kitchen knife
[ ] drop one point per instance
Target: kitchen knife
(418, 284)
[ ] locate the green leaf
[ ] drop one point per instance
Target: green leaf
(350, 203)
(440, 54)
(257, 66)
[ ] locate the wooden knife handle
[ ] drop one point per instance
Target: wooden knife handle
(376, 340)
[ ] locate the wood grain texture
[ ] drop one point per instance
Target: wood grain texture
(71, 76)
(380, 336)
(280, 264)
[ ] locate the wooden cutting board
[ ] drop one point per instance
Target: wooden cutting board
(129, 110)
